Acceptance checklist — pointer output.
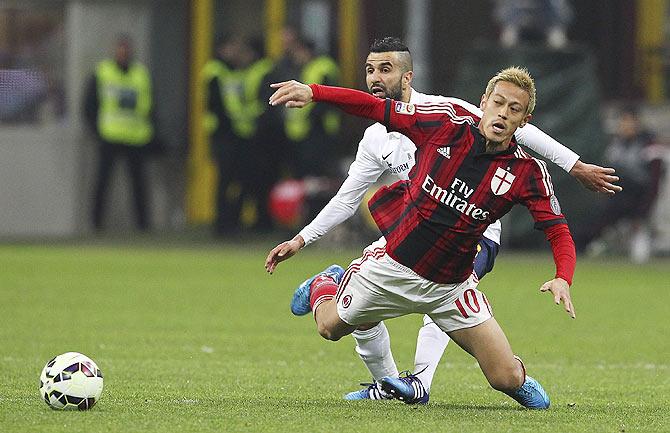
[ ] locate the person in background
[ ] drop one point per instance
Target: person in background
(312, 131)
(639, 161)
(117, 108)
(237, 83)
(531, 20)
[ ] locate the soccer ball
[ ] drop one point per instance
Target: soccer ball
(71, 381)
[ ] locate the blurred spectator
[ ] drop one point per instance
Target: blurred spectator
(118, 108)
(312, 129)
(531, 20)
(31, 64)
(21, 92)
(263, 156)
(237, 82)
(286, 68)
(638, 161)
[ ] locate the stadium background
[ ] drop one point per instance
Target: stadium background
(167, 314)
(48, 169)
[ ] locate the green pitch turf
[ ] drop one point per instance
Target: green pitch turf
(200, 339)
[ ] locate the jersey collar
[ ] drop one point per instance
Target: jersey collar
(480, 144)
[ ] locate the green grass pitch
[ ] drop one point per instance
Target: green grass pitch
(200, 339)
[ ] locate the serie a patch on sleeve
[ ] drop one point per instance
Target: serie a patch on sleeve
(404, 108)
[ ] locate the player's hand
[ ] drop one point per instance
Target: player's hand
(561, 291)
(292, 93)
(596, 178)
(282, 252)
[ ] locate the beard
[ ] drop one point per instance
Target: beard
(394, 92)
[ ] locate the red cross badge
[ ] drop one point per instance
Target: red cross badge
(501, 181)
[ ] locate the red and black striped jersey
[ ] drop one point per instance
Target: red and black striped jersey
(433, 222)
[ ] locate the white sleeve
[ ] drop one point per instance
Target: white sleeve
(341, 207)
(535, 139)
(465, 104)
(363, 172)
(538, 141)
(367, 166)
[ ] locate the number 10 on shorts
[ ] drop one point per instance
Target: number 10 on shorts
(471, 301)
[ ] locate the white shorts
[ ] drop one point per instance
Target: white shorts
(375, 287)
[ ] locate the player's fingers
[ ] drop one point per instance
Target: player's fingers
(569, 308)
(567, 303)
(278, 85)
(281, 95)
(546, 286)
(607, 170)
(278, 97)
(269, 258)
(572, 311)
(275, 252)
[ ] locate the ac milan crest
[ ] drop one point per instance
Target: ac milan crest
(501, 181)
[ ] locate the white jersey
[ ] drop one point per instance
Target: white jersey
(381, 151)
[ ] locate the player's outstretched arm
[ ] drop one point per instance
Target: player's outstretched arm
(282, 252)
(561, 291)
(596, 178)
(591, 176)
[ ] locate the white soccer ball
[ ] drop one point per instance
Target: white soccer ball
(71, 381)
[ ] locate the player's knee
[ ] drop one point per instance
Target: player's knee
(328, 332)
(507, 379)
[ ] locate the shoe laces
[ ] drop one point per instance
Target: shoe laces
(374, 388)
(407, 375)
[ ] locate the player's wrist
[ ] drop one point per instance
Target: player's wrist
(563, 279)
(577, 168)
(300, 240)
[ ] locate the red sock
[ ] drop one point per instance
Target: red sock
(323, 288)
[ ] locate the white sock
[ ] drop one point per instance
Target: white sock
(374, 348)
(430, 345)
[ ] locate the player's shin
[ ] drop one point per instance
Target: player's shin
(374, 348)
(430, 345)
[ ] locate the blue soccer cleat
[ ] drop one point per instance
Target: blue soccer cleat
(408, 388)
(531, 395)
(371, 392)
(300, 302)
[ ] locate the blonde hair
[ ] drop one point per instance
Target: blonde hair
(518, 76)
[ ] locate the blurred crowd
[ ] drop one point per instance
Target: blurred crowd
(254, 147)
(277, 167)
(625, 219)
